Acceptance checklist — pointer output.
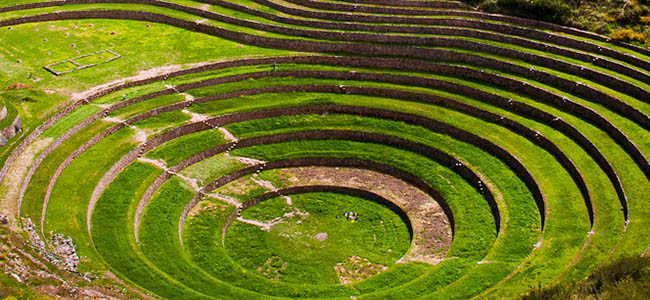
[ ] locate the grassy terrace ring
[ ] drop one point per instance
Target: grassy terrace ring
(313, 231)
(313, 149)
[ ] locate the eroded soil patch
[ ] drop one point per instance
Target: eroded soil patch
(356, 268)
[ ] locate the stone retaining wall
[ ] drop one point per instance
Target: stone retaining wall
(502, 28)
(3, 112)
(379, 9)
(321, 162)
(408, 3)
(574, 173)
(10, 131)
(415, 52)
(461, 22)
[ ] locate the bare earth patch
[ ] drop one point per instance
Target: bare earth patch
(272, 267)
(356, 268)
(15, 174)
(210, 208)
(139, 76)
(238, 187)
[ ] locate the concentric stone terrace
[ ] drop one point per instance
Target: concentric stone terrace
(328, 149)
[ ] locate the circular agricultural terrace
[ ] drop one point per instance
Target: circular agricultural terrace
(483, 154)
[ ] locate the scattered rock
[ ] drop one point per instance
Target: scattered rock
(36, 29)
(4, 219)
(64, 254)
(64, 248)
(18, 86)
(49, 53)
(321, 236)
(356, 268)
(91, 25)
(112, 32)
(148, 25)
(240, 46)
(19, 60)
(73, 45)
(34, 238)
(67, 34)
(44, 39)
(272, 267)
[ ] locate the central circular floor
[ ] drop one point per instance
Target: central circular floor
(305, 238)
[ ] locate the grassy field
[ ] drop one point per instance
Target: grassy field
(379, 236)
(532, 137)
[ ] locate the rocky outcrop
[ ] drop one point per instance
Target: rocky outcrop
(10, 131)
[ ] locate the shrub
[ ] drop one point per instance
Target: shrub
(631, 14)
(628, 35)
(555, 11)
(490, 6)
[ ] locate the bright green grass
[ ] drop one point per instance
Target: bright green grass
(95, 58)
(320, 146)
(576, 203)
(521, 231)
(27, 43)
(462, 246)
(9, 117)
(159, 241)
(640, 192)
(35, 193)
(242, 189)
(514, 47)
(204, 228)
(522, 221)
(170, 119)
(131, 92)
(211, 168)
(71, 120)
(379, 235)
(63, 67)
(508, 46)
(176, 150)
(66, 211)
(112, 233)
(259, 19)
(144, 106)
(178, 47)
(160, 245)
(435, 175)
